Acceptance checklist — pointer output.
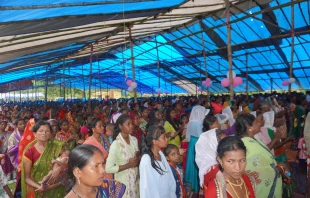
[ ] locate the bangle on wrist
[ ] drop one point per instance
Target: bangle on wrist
(280, 166)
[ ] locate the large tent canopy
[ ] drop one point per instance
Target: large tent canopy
(54, 40)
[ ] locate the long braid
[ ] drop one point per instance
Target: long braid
(153, 133)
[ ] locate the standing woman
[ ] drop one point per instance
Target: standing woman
(172, 128)
(156, 177)
(86, 173)
(96, 136)
(14, 140)
(55, 127)
(36, 163)
(156, 118)
(123, 157)
(193, 131)
(259, 158)
(4, 159)
(231, 181)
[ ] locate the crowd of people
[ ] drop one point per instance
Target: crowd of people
(205, 146)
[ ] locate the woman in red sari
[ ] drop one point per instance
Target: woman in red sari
(231, 181)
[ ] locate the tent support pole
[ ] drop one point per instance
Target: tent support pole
(63, 78)
(35, 86)
(158, 66)
(271, 85)
(90, 74)
(204, 55)
(100, 93)
(247, 76)
(20, 93)
(229, 49)
(84, 93)
(132, 62)
(292, 45)
(125, 83)
(107, 88)
(46, 79)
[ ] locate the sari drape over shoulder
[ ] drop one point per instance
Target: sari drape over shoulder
(13, 144)
(260, 159)
(40, 169)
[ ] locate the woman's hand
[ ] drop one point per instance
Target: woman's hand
(44, 188)
(277, 136)
(133, 162)
(255, 175)
(72, 137)
(182, 151)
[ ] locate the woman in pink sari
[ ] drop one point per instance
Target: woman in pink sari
(99, 140)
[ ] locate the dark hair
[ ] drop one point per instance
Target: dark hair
(229, 143)
(18, 120)
(169, 148)
(207, 122)
(169, 119)
(242, 123)
(40, 123)
(183, 115)
(78, 158)
(87, 116)
(152, 133)
(92, 124)
(133, 105)
(61, 122)
(152, 118)
(120, 121)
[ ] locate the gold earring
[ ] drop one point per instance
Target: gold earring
(79, 180)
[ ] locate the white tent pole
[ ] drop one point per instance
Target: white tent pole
(247, 77)
(158, 66)
(90, 74)
(229, 50)
(292, 44)
(132, 62)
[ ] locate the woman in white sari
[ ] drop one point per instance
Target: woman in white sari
(193, 131)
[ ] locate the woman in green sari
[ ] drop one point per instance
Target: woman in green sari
(36, 164)
(259, 158)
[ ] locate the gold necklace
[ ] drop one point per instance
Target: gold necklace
(246, 190)
(238, 185)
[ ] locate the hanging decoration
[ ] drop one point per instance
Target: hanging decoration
(199, 89)
(292, 80)
(225, 82)
(130, 89)
(236, 80)
(132, 85)
(285, 83)
(158, 91)
(233, 74)
(208, 82)
(128, 82)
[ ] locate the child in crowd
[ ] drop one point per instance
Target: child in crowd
(65, 136)
(173, 157)
(137, 132)
(145, 118)
(110, 131)
(59, 170)
(84, 128)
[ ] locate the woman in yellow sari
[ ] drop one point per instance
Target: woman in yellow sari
(36, 164)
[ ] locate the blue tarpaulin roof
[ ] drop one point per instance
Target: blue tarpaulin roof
(56, 36)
